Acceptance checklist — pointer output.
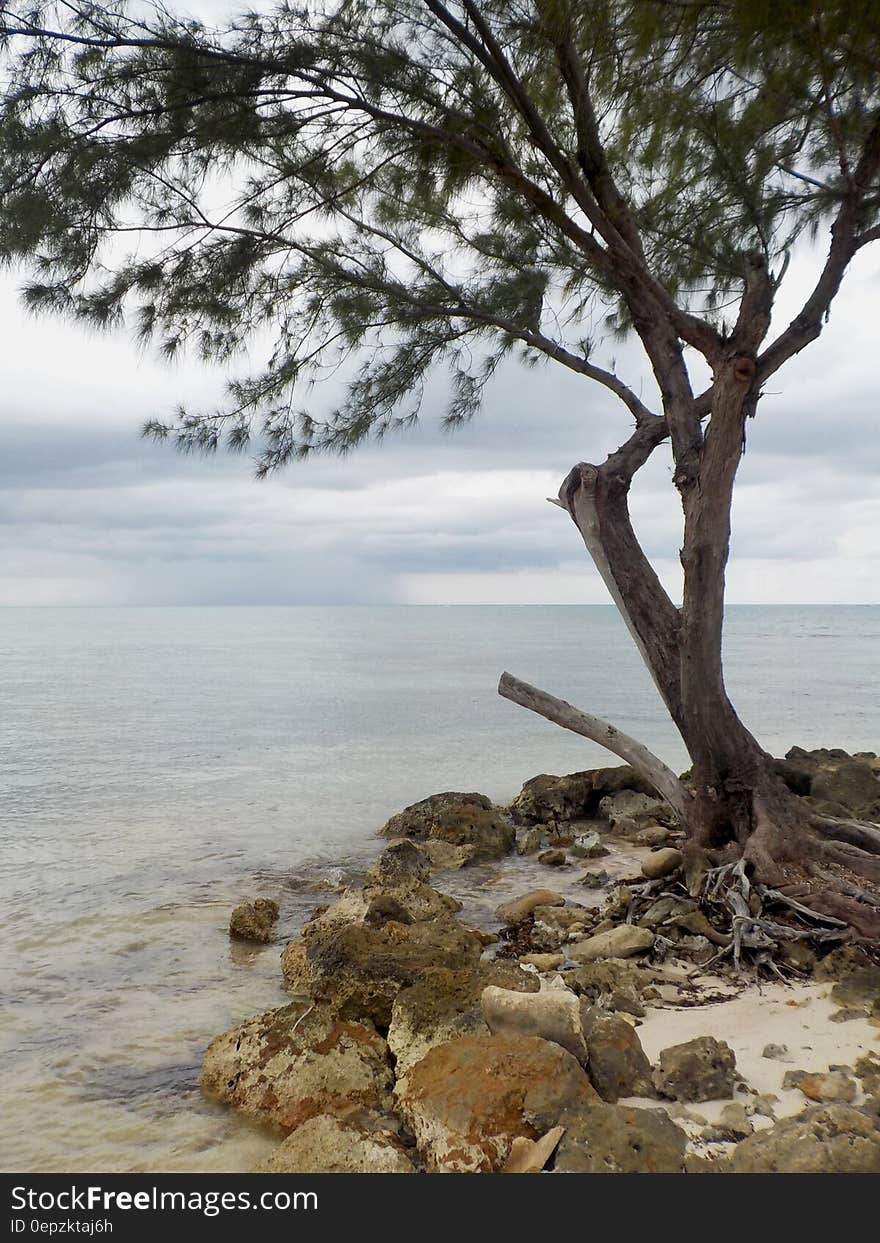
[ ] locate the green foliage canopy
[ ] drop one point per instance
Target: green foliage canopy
(393, 186)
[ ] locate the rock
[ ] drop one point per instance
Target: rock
(518, 908)
(698, 1070)
(294, 1063)
(792, 1078)
(653, 835)
(554, 1014)
(543, 962)
(385, 907)
(624, 941)
(777, 1053)
(629, 811)
(444, 857)
(588, 847)
(468, 820)
(402, 861)
(530, 842)
(444, 1004)
(467, 1100)
(617, 1139)
(327, 1145)
(662, 863)
(860, 988)
(846, 1015)
(598, 980)
(553, 858)
(545, 938)
(529, 1156)
(361, 969)
(835, 1087)
(828, 1139)
(733, 1125)
(574, 797)
(616, 1064)
(562, 917)
(254, 921)
(839, 784)
(595, 879)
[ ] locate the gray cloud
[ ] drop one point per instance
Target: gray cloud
(90, 513)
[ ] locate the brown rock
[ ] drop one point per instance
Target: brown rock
(662, 863)
(467, 1100)
(835, 1087)
(553, 858)
(254, 921)
(698, 1070)
(469, 820)
(574, 797)
(518, 908)
(289, 1065)
(617, 1063)
(617, 1139)
(361, 969)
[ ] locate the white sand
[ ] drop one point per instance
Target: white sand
(796, 1015)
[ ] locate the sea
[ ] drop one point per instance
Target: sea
(159, 764)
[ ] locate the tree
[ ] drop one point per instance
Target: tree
(397, 186)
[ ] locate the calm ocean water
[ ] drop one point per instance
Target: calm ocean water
(157, 764)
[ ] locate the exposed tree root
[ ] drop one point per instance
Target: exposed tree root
(750, 843)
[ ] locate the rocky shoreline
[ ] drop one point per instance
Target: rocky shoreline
(600, 1017)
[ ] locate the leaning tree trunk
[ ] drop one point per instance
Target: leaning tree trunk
(735, 805)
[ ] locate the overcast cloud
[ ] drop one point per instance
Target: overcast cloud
(90, 514)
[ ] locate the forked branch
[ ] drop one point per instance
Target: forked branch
(645, 763)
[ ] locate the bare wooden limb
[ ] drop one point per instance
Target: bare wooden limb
(663, 779)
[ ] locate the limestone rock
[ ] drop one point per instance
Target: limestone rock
(617, 1139)
(401, 861)
(254, 921)
(617, 1064)
(624, 941)
(444, 1004)
(326, 1145)
(827, 1139)
(698, 1070)
(466, 1101)
(629, 811)
(466, 820)
(662, 863)
(553, 1014)
(860, 988)
(290, 1064)
(360, 970)
(546, 798)
(839, 784)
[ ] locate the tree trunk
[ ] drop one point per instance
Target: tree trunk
(740, 807)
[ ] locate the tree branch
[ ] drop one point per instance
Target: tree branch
(645, 763)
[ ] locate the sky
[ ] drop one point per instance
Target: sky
(92, 515)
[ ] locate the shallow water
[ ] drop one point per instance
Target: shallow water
(158, 764)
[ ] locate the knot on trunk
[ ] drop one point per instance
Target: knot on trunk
(743, 370)
(581, 476)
